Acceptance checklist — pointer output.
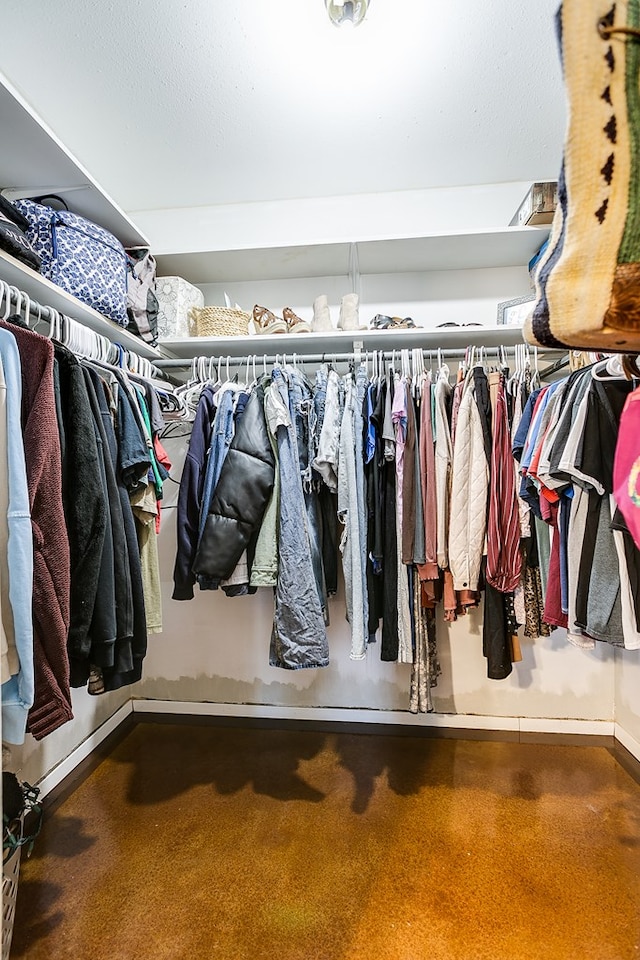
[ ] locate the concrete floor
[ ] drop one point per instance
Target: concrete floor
(206, 842)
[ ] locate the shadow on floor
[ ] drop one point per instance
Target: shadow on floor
(408, 765)
(38, 914)
(168, 761)
(69, 839)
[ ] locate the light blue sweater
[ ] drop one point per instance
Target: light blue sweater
(17, 692)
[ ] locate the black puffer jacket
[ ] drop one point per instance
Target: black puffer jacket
(241, 496)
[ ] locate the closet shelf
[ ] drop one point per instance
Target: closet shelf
(32, 158)
(475, 249)
(342, 341)
(47, 293)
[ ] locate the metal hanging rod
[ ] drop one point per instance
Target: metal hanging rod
(329, 356)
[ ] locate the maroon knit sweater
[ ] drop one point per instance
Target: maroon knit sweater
(51, 581)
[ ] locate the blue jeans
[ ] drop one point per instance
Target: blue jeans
(320, 395)
(303, 413)
(299, 636)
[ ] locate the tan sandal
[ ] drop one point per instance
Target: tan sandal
(295, 324)
(267, 322)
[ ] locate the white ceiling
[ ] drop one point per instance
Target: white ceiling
(206, 102)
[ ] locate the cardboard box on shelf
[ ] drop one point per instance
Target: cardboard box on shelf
(539, 205)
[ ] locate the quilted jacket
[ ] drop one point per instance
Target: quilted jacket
(469, 490)
(241, 494)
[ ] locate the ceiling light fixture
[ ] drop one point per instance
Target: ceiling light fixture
(352, 12)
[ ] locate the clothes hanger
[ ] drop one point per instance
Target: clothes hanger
(55, 325)
(421, 372)
(609, 369)
(15, 295)
(443, 368)
(27, 308)
(503, 361)
(512, 384)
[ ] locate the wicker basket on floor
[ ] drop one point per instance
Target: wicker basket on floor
(220, 322)
(27, 811)
(10, 875)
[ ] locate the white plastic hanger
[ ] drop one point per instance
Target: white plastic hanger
(608, 369)
(14, 295)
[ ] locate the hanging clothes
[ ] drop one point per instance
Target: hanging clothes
(16, 553)
(405, 630)
(85, 508)
(241, 493)
(469, 490)
(405, 468)
(130, 463)
(443, 464)
(504, 559)
(349, 506)
(299, 637)
(568, 466)
(190, 498)
(51, 564)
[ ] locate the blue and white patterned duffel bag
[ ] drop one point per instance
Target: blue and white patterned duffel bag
(84, 259)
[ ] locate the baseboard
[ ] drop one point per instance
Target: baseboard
(64, 778)
(345, 715)
(85, 750)
(627, 741)
(450, 721)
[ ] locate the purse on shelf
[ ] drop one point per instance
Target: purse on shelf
(79, 256)
(142, 303)
(220, 322)
(13, 235)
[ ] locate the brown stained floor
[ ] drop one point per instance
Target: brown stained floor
(206, 842)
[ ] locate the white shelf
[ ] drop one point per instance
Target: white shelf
(32, 158)
(46, 293)
(339, 341)
(476, 249)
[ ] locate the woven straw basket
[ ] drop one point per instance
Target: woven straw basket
(220, 322)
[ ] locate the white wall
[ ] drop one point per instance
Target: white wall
(406, 213)
(216, 649)
(627, 698)
(430, 298)
(34, 759)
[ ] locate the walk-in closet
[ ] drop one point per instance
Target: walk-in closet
(319, 520)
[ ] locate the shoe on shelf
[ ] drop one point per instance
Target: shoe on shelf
(267, 322)
(349, 316)
(295, 324)
(381, 322)
(321, 315)
(403, 323)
